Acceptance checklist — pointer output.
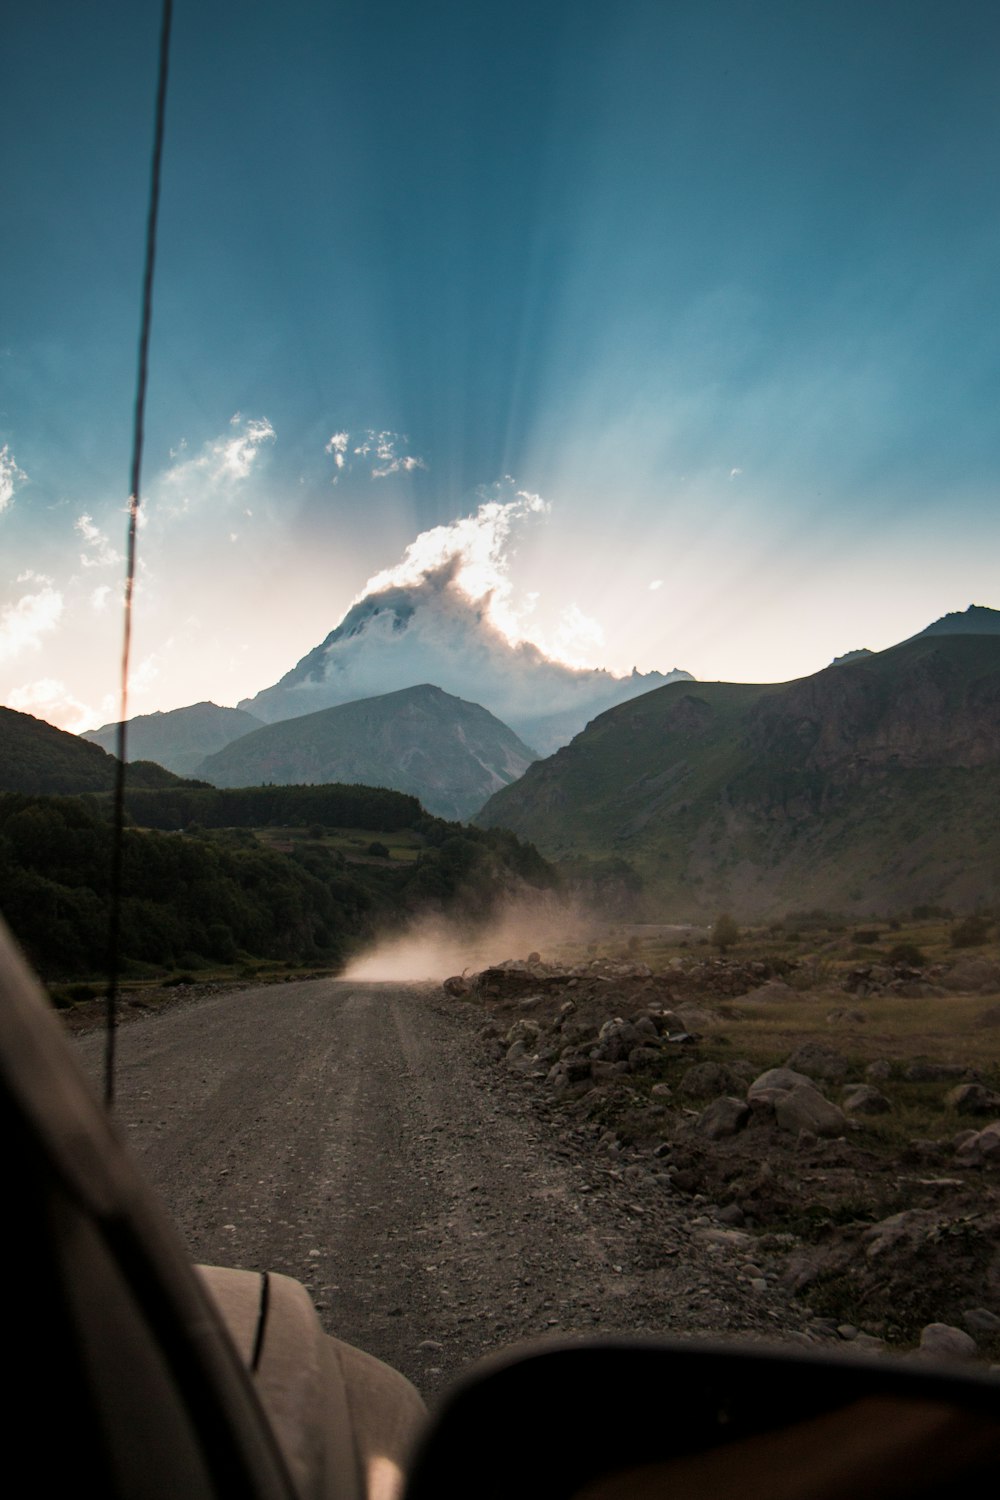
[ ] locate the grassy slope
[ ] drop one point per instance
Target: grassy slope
(761, 797)
(35, 757)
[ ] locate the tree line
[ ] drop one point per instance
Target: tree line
(211, 897)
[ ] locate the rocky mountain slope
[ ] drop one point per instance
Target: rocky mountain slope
(179, 739)
(449, 753)
(870, 785)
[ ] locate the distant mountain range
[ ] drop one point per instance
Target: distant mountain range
(179, 739)
(869, 786)
(450, 754)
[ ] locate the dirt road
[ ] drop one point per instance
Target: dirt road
(349, 1135)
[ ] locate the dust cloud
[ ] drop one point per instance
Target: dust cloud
(434, 947)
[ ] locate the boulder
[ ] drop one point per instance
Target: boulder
(724, 1117)
(817, 1061)
(862, 1099)
(805, 1108)
(615, 1041)
(942, 1341)
(972, 975)
(981, 1148)
(527, 1032)
(973, 1099)
(707, 1078)
(981, 1320)
(776, 1079)
(909, 1229)
(770, 992)
(931, 1072)
(644, 1059)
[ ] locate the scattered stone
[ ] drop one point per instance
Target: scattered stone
(457, 986)
(879, 1071)
(851, 1017)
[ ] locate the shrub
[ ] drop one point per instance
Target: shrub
(725, 933)
(970, 932)
(906, 953)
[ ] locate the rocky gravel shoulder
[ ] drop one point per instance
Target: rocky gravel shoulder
(757, 1203)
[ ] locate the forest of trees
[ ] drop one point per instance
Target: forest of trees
(204, 896)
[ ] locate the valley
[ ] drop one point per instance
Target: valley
(596, 1145)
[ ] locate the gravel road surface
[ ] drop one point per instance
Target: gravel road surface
(351, 1135)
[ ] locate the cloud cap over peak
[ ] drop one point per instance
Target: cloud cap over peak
(445, 614)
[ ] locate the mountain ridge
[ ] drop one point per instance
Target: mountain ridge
(433, 632)
(178, 738)
(868, 783)
(449, 753)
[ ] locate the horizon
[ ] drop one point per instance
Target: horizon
(701, 294)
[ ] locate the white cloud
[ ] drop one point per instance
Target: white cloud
(381, 448)
(224, 460)
(24, 623)
(474, 551)
(338, 447)
(576, 638)
(99, 598)
(148, 670)
(10, 477)
(733, 473)
(657, 583)
(100, 553)
(391, 462)
(50, 699)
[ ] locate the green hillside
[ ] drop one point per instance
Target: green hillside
(868, 786)
(37, 757)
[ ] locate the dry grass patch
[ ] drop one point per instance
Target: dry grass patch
(948, 1029)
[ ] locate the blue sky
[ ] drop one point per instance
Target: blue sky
(715, 280)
